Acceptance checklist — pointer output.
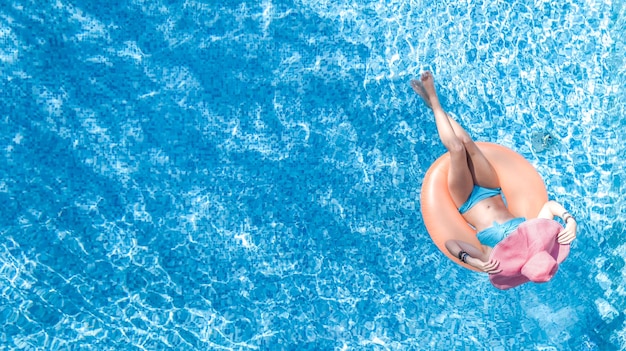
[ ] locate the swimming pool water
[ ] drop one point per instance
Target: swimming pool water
(245, 175)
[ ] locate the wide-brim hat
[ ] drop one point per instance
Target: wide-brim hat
(530, 253)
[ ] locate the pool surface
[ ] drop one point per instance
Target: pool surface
(245, 175)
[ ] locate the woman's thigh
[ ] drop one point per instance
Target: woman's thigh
(482, 171)
(460, 179)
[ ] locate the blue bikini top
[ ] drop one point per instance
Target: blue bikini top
(496, 233)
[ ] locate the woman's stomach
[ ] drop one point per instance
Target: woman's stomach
(487, 211)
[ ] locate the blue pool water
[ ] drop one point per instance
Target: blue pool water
(245, 175)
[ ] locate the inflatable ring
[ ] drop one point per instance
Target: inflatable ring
(522, 186)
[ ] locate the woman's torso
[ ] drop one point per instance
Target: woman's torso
(482, 215)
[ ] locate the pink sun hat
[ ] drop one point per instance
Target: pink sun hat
(530, 253)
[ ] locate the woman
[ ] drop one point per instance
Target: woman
(475, 189)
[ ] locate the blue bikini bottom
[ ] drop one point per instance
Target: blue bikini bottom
(478, 193)
(496, 233)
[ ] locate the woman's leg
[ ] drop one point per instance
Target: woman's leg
(460, 179)
(482, 172)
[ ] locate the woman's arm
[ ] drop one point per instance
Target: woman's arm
(553, 208)
(467, 253)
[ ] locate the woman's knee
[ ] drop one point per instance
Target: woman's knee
(456, 146)
(466, 140)
(470, 146)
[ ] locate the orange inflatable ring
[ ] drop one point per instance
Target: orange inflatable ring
(522, 186)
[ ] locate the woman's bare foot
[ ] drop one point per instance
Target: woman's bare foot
(428, 85)
(419, 89)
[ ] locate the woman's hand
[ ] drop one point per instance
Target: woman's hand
(553, 208)
(567, 235)
(490, 267)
